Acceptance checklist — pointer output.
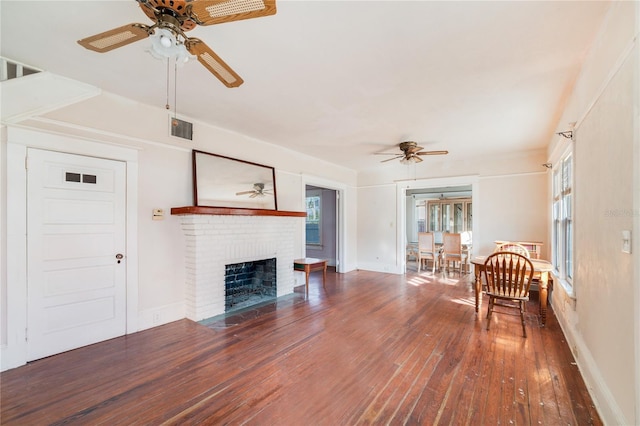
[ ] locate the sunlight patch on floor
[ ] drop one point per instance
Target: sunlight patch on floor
(467, 302)
(449, 281)
(421, 280)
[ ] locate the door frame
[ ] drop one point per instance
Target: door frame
(401, 192)
(19, 140)
(340, 220)
(323, 213)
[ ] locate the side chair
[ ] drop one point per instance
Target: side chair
(508, 276)
(427, 250)
(452, 250)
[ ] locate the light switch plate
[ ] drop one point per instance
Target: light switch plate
(626, 241)
(158, 214)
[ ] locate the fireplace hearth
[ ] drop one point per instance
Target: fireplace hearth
(249, 283)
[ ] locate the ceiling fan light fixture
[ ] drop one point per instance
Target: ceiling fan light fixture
(409, 160)
(166, 41)
(165, 44)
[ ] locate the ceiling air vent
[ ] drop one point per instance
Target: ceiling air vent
(181, 129)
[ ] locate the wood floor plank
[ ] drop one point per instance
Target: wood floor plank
(365, 348)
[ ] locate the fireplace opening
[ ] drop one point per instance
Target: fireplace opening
(249, 283)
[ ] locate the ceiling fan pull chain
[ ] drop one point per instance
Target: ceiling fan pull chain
(175, 90)
(167, 104)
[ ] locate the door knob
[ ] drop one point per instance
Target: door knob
(119, 256)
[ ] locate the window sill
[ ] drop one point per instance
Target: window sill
(567, 288)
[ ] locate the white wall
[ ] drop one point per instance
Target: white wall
(600, 319)
(3, 232)
(164, 179)
(377, 229)
(162, 184)
(513, 208)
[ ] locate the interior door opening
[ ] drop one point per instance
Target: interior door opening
(443, 209)
(321, 227)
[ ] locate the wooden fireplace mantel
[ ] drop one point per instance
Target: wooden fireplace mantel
(227, 211)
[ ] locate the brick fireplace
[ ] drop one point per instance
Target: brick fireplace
(216, 237)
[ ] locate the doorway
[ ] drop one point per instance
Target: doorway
(321, 226)
(449, 191)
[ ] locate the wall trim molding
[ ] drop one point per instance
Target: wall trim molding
(510, 175)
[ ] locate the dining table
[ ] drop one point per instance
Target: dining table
(541, 271)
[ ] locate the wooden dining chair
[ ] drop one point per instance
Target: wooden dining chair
(427, 249)
(452, 250)
(508, 277)
(519, 248)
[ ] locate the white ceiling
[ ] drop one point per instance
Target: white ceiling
(341, 80)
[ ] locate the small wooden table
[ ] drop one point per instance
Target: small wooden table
(541, 268)
(309, 264)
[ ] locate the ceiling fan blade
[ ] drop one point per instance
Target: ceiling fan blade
(394, 158)
(414, 149)
(213, 63)
(433, 153)
(385, 153)
(115, 38)
(245, 192)
(209, 12)
(417, 159)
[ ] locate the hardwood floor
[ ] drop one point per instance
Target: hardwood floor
(369, 348)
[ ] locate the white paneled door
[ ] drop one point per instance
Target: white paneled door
(76, 261)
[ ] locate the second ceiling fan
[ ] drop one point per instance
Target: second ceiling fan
(411, 153)
(172, 18)
(257, 191)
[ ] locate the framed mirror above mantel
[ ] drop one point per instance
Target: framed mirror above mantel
(224, 186)
(225, 182)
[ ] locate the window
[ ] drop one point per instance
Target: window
(313, 228)
(563, 220)
(421, 216)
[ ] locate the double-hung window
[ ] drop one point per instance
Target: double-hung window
(313, 223)
(563, 220)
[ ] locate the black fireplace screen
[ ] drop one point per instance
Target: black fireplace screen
(249, 283)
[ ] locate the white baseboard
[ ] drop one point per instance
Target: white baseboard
(12, 357)
(603, 399)
(14, 354)
(160, 315)
(381, 267)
